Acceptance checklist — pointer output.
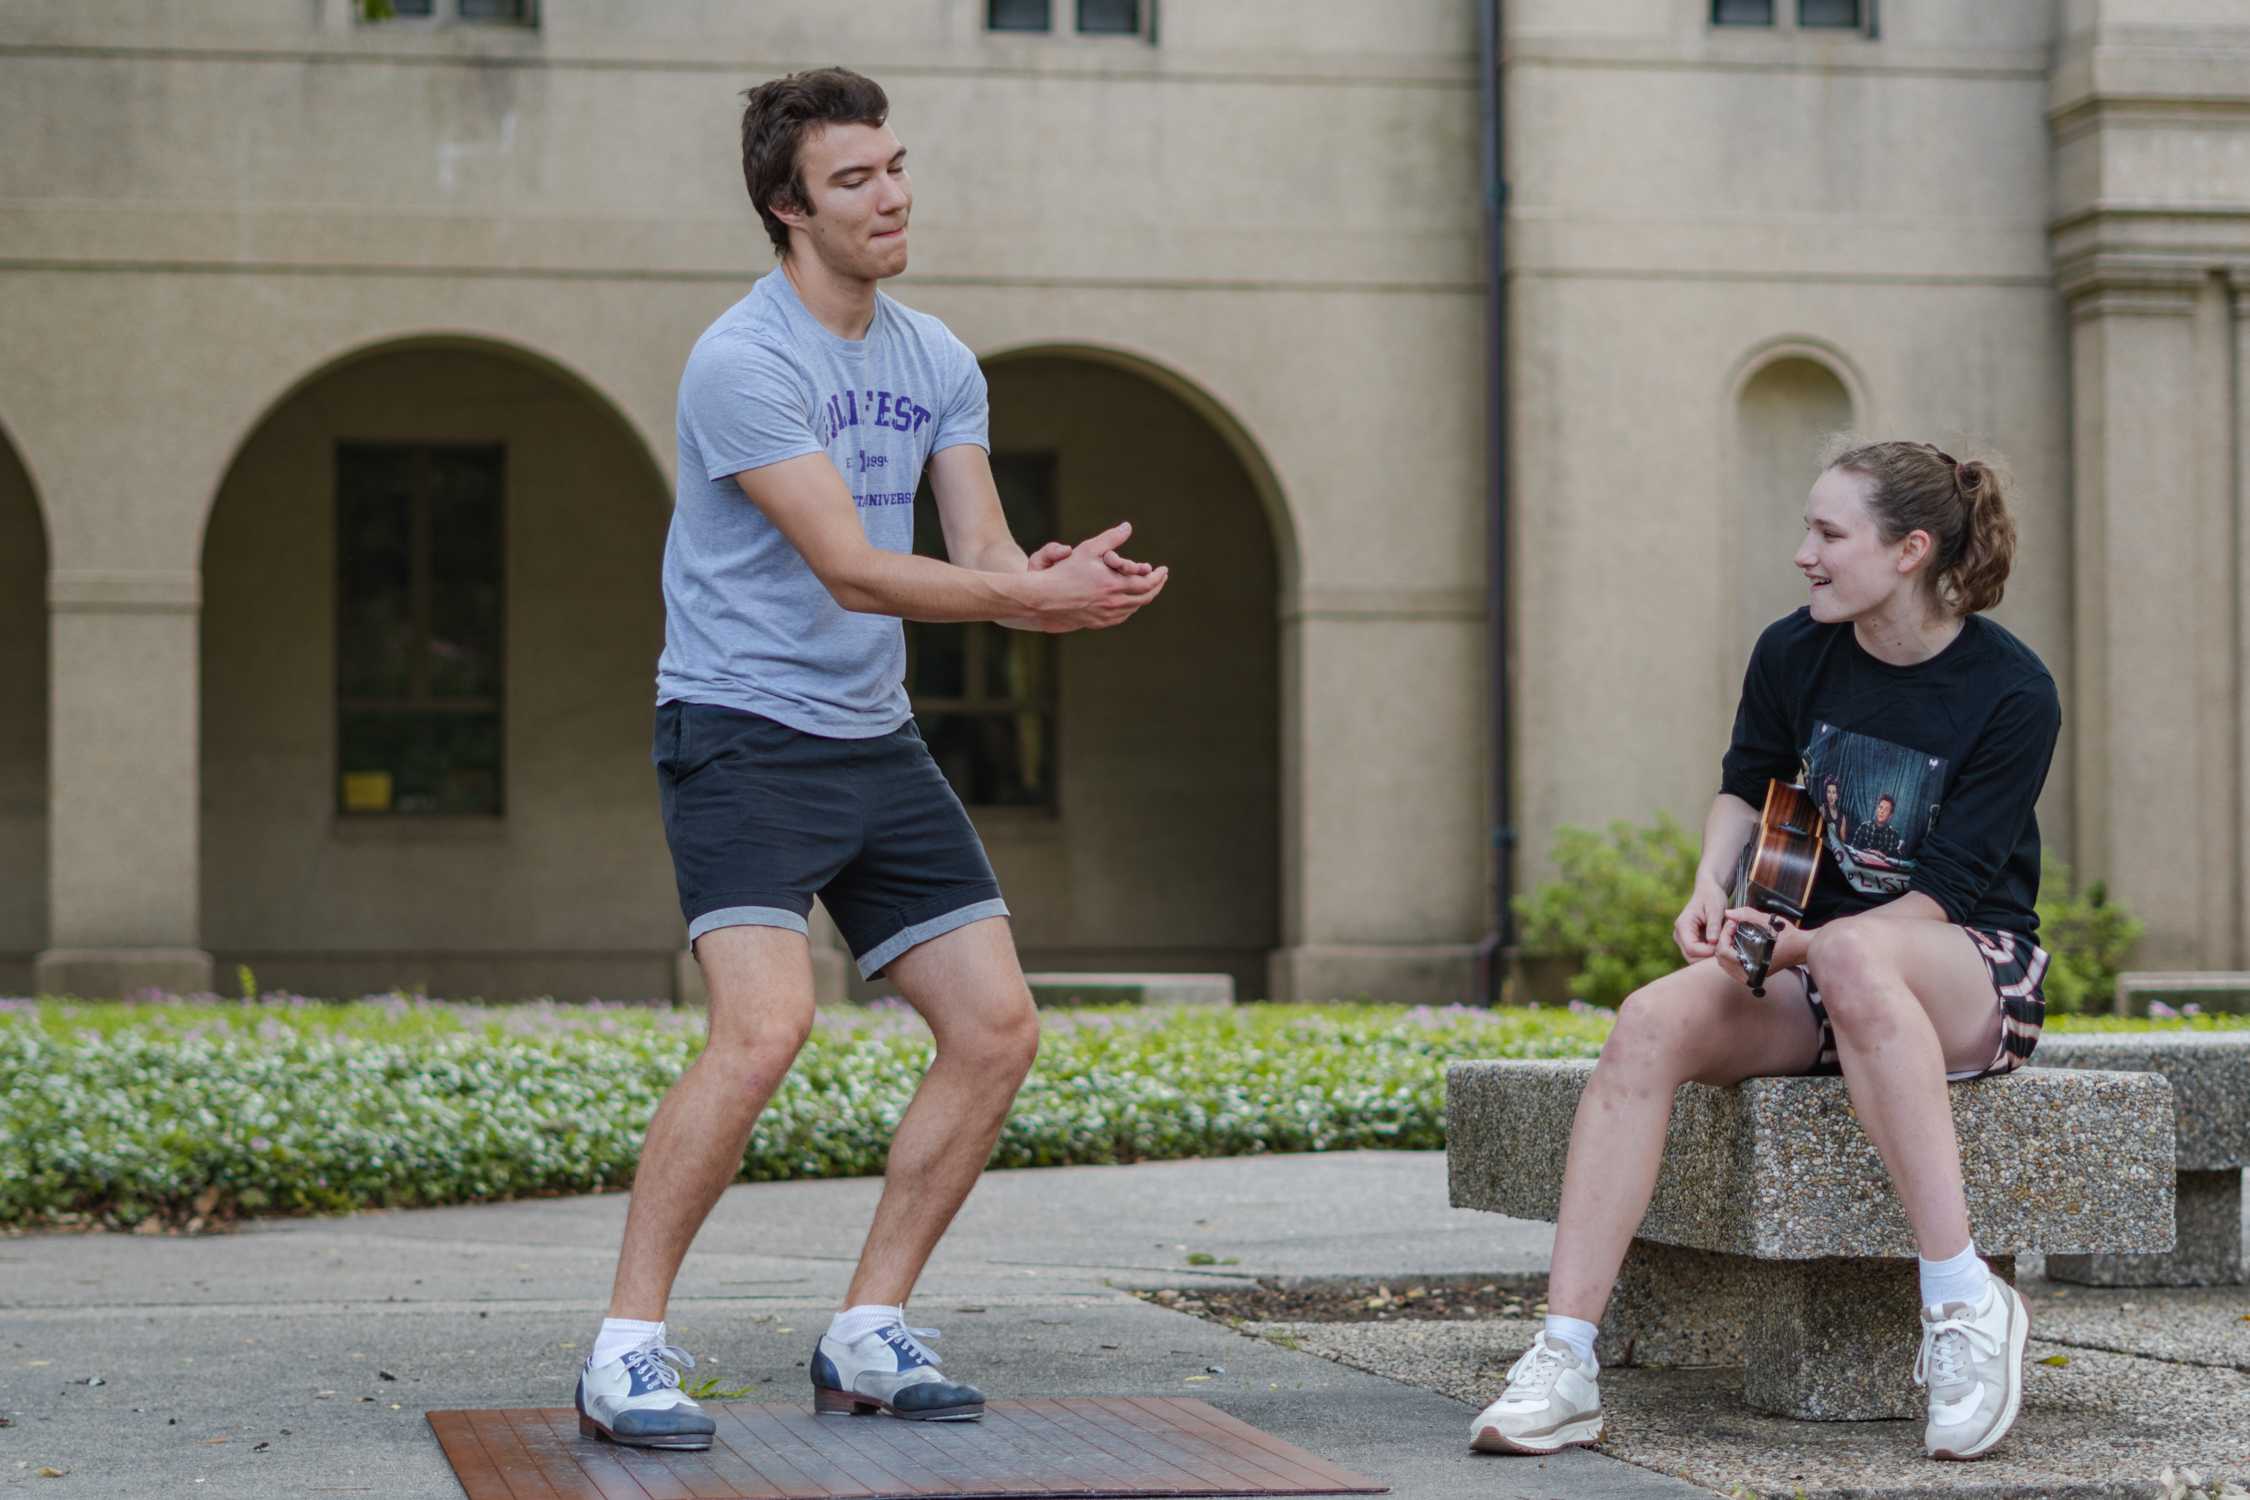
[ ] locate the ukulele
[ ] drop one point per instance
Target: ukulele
(1775, 873)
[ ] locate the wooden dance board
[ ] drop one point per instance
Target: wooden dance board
(1081, 1446)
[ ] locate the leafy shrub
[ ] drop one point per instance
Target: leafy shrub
(202, 1111)
(1612, 905)
(2087, 940)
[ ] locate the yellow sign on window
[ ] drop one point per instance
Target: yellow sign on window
(367, 791)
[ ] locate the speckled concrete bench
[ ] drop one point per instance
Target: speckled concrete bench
(2210, 1075)
(1774, 1241)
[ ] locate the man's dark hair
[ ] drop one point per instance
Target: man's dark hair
(775, 122)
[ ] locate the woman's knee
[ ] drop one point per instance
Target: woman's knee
(1654, 1032)
(1854, 968)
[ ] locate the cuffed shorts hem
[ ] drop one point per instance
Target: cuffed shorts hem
(744, 916)
(875, 959)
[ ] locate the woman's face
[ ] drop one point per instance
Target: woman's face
(1850, 569)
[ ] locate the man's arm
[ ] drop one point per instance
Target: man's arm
(970, 513)
(805, 497)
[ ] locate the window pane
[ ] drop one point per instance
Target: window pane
(1742, 12)
(465, 598)
(1026, 482)
(495, 10)
(992, 760)
(374, 572)
(1109, 15)
(406, 762)
(412, 7)
(941, 660)
(1020, 15)
(1828, 13)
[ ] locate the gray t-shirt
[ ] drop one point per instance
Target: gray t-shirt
(746, 623)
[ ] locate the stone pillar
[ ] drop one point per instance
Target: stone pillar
(2241, 422)
(2151, 245)
(1384, 843)
(124, 896)
(2154, 704)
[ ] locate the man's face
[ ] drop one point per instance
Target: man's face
(1883, 811)
(855, 177)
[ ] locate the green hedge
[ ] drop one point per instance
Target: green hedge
(1610, 909)
(182, 1111)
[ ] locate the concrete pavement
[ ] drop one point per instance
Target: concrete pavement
(298, 1357)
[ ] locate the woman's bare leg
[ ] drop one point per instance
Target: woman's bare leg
(1698, 1024)
(1909, 1000)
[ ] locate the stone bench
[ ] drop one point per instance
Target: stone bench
(2210, 1077)
(1774, 1241)
(2211, 989)
(1131, 989)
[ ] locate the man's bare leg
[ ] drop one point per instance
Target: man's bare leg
(761, 986)
(970, 988)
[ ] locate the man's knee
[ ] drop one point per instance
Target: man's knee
(759, 1045)
(1002, 1038)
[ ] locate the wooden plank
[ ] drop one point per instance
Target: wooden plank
(1051, 1461)
(1267, 1473)
(480, 1477)
(1136, 1462)
(1081, 1447)
(1104, 1471)
(1217, 1466)
(503, 1440)
(608, 1477)
(1178, 1407)
(861, 1437)
(788, 1449)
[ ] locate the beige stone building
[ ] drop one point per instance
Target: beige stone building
(337, 361)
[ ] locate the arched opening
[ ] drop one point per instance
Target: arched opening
(1160, 848)
(1784, 412)
(23, 724)
(430, 625)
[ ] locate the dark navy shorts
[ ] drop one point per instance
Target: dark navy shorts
(761, 818)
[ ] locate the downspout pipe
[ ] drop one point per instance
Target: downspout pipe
(1494, 952)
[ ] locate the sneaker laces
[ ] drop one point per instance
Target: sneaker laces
(649, 1362)
(1536, 1371)
(908, 1341)
(1946, 1345)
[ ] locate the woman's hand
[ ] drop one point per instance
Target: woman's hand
(1700, 922)
(1791, 944)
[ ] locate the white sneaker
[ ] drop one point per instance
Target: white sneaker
(889, 1370)
(1972, 1362)
(636, 1399)
(1551, 1402)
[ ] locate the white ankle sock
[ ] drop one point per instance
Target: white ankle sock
(856, 1323)
(621, 1335)
(1575, 1333)
(1959, 1278)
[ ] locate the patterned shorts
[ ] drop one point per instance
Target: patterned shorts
(2019, 969)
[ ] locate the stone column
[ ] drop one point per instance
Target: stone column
(124, 892)
(2154, 705)
(2241, 422)
(1384, 843)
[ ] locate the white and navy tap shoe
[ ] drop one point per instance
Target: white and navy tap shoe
(889, 1370)
(636, 1400)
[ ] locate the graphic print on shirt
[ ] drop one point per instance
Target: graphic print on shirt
(862, 469)
(1880, 802)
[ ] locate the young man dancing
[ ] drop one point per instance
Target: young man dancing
(788, 763)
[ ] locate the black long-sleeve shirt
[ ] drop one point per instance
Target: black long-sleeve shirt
(1959, 745)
